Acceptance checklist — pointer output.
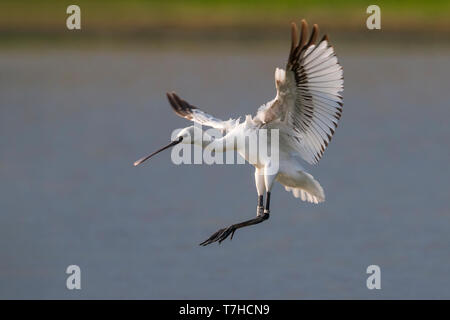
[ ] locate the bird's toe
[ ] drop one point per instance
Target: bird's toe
(213, 238)
(226, 233)
(220, 235)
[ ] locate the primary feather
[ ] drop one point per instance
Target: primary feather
(309, 103)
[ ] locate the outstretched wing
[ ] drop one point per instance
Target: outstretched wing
(188, 111)
(308, 104)
(318, 83)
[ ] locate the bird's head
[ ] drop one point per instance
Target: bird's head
(188, 135)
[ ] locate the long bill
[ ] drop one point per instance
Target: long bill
(138, 162)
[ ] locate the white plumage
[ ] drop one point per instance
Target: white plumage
(306, 110)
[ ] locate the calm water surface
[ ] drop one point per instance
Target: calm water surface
(72, 122)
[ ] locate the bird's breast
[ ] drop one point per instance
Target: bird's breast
(255, 146)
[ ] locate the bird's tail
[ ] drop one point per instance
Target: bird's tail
(311, 191)
(305, 195)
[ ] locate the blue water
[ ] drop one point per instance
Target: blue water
(73, 121)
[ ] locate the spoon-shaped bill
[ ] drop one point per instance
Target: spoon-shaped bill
(138, 162)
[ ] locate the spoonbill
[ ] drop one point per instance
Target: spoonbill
(306, 110)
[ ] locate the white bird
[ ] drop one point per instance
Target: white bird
(306, 110)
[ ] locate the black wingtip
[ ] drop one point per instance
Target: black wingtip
(314, 34)
(325, 38)
(181, 107)
(303, 33)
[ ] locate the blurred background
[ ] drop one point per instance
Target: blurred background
(78, 107)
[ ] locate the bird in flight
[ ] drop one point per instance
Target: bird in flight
(305, 111)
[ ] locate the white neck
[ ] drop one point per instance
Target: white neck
(223, 144)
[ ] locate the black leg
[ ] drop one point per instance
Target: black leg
(260, 207)
(222, 234)
(267, 208)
